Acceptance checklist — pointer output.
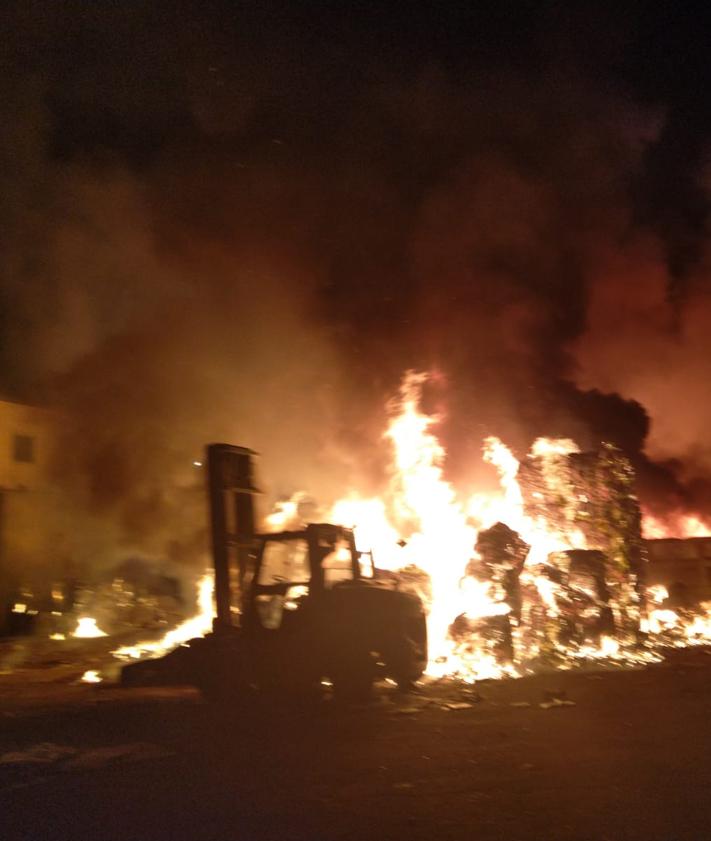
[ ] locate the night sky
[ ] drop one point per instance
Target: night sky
(244, 221)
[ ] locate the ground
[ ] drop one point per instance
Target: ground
(609, 755)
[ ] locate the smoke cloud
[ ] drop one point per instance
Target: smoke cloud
(246, 226)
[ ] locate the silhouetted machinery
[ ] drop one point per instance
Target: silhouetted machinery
(293, 609)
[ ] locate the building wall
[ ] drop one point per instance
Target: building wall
(26, 438)
(681, 562)
(27, 435)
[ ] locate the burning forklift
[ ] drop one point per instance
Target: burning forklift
(293, 609)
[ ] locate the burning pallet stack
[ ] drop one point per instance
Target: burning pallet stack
(572, 599)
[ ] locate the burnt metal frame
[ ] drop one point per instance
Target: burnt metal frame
(311, 534)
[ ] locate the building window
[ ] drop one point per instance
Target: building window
(23, 448)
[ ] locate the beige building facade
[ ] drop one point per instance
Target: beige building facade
(27, 497)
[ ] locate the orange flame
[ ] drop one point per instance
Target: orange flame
(682, 526)
(421, 522)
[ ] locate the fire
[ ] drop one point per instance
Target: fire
(438, 540)
(284, 513)
(657, 593)
(440, 531)
(421, 510)
(441, 538)
(91, 676)
(373, 530)
(196, 626)
(682, 526)
(87, 628)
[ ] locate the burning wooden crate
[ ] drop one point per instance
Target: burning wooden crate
(581, 611)
(489, 636)
(578, 596)
(591, 496)
(500, 557)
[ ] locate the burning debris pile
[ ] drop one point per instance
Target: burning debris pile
(82, 623)
(546, 572)
(196, 626)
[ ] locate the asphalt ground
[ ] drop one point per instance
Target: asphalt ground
(607, 755)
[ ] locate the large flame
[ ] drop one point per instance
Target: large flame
(421, 527)
(683, 525)
(440, 532)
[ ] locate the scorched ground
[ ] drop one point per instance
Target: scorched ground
(564, 757)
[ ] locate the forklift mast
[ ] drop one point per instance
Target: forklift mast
(231, 493)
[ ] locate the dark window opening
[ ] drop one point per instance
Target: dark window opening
(23, 448)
